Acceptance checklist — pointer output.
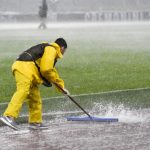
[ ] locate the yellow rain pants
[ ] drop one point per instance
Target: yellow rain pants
(25, 90)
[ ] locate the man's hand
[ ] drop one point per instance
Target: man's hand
(66, 92)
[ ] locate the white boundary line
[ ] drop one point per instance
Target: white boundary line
(99, 93)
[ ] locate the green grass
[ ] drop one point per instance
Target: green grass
(98, 59)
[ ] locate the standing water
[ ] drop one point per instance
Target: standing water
(131, 132)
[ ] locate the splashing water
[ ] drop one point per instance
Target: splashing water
(124, 114)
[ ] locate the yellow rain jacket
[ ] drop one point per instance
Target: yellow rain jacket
(46, 64)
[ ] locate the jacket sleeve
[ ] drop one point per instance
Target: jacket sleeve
(47, 66)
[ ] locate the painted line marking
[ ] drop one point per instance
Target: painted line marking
(99, 93)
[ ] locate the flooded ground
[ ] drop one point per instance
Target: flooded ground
(132, 132)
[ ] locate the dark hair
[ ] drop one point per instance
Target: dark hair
(61, 42)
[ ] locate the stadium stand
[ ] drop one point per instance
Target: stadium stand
(76, 10)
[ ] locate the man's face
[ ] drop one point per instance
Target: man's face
(63, 50)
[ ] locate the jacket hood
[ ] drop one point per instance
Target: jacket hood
(59, 54)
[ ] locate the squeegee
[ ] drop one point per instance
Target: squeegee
(88, 117)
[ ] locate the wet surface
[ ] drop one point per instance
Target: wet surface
(132, 132)
(63, 135)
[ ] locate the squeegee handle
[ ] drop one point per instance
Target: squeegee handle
(72, 99)
(80, 107)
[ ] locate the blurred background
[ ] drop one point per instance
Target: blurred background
(75, 10)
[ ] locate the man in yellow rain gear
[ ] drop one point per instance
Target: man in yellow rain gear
(33, 67)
